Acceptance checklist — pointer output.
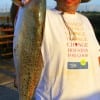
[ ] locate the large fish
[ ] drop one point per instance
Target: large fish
(28, 37)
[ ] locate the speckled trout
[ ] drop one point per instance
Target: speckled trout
(27, 41)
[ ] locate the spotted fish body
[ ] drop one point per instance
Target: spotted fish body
(27, 47)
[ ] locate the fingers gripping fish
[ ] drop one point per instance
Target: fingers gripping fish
(27, 46)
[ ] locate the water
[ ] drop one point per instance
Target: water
(5, 5)
(91, 6)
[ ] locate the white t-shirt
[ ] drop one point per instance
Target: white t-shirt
(71, 68)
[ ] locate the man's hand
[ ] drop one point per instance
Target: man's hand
(21, 2)
(25, 1)
(17, 2)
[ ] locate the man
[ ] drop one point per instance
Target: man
(70, 54)
(71, 67)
